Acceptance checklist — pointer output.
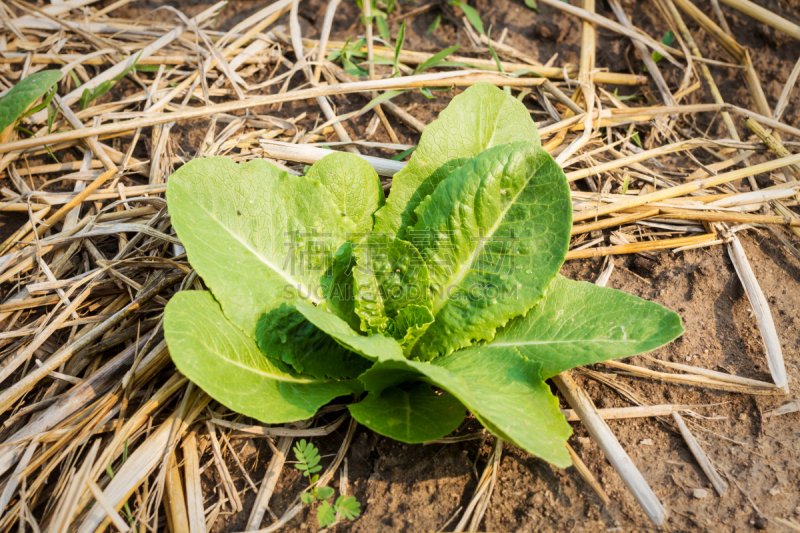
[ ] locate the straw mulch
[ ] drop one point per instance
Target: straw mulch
(98, 428)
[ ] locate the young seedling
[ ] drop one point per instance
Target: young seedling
(443, 297)
(471, 15)
(90, 95)
(346, 55)
(347, 507)
(19, 101)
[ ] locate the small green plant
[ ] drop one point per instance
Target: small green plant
(667, 40)
(346, 56)
(471, 15)
(90, 95)
(381, 10)
(348, 507)
(434, 25)
(17, 102)
(443, 297)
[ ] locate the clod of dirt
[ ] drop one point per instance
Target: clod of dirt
(761, 523)
(700, 493)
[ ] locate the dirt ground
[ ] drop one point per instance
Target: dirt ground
(421, 488)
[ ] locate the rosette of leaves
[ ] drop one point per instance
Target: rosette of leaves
(443, 298)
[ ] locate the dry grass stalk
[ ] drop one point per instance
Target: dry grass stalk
(713, 374)
(14, 392)
(271, 476)
(602, 435)
(766, 16)
(772, 143)
(734, 48)
(614, 26)
(114, 516)
(146, 457)
(280, 431)
(695, 380)
(687, 188)
(645, 246)
(621, 413)
(416, 58)
(647, 58)
(482, 491)
(311, 154)
(761, 310)
(222, 470)
(790, 407)
(457, 79)
(587, 476)
(194, 489)
(705, 463)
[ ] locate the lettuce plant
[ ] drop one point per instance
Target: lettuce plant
(444, 297)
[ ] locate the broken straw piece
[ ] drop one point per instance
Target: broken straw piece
(762, 312)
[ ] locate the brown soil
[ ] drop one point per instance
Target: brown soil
(419, 488)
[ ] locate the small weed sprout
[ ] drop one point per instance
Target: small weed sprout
(344, 507)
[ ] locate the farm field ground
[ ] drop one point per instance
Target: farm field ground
(414, 488)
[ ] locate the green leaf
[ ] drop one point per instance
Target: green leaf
(398, 46)
(285, 335)
(150, 68)
(45, 103)
(435, 59)
(86, 98)
(212, 352)
(625, 184)
(326, 515)
(402, 155)
(500, 387)
(354, 186)
(532, 4)
(579, 323)
(494, 235)
(24, 94)
(410, 324)
(374, 347)
(353, 69)
(75, 78)
(479, 118)
(636, 139)
(388, 95)
(378, 60)
(257, 236)
(383, 28)
(472, 16)
(427, 93)
(308, 458)
(394, 270)
(415, 415)
(494, 54)
(348, 507)
(667, 40)
(306, 498)
(90, 95)
(337, 286)
(434, 25)
(323, 493)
